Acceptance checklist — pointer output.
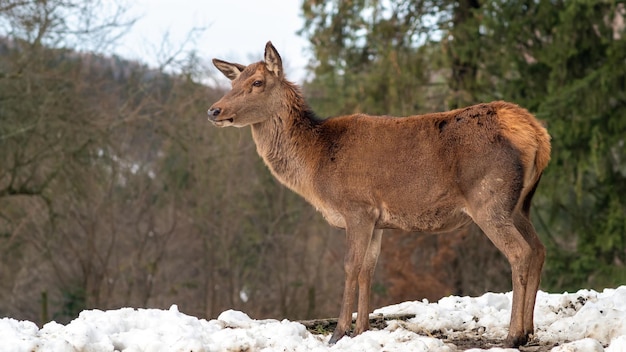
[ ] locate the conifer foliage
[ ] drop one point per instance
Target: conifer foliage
(563, 60)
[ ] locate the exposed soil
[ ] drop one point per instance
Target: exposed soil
(462, 340)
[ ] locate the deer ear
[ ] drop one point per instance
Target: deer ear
(229, 70)
(273, 61)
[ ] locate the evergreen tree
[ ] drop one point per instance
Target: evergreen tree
(373, 57)
(563, 60)
(566, 60)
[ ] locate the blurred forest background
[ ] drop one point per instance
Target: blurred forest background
(115, 190)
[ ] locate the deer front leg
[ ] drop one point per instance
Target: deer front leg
(365, 283)
(358, 238)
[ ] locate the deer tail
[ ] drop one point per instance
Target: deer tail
(528, 135)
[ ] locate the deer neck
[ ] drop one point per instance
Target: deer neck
(287, 143)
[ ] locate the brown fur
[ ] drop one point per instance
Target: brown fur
(432, 172)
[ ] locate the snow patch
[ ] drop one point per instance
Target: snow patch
(573, 322)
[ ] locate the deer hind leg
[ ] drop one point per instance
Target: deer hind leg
(359, 233)
(501, 227)
(525, 227)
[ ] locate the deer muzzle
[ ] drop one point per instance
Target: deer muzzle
(214, 114)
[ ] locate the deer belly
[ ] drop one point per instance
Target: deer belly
(436, 219)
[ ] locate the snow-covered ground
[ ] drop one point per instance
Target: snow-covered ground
(583, 321)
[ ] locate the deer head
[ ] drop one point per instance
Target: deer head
(255, 91)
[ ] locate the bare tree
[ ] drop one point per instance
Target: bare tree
(113, 188)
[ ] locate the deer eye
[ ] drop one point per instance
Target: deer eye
(257, 83)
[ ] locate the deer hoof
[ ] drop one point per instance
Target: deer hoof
(515, 341)
(337, 335)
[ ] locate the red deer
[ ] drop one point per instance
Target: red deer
(428, 173)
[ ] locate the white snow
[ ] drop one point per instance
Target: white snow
(583, 321)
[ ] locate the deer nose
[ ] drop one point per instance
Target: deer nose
(214, 112)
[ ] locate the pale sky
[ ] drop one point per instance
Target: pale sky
(235, 31)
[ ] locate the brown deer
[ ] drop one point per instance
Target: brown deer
(429, 173)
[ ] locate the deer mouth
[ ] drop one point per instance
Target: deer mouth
(223, 122)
